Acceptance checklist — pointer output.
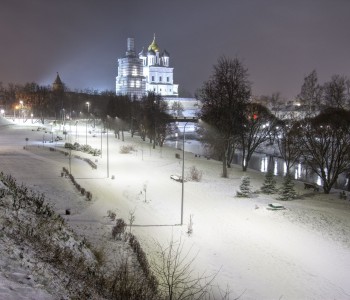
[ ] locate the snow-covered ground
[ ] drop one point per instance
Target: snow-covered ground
(302, 252)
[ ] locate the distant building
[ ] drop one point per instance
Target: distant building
(148, 71)
(130, 80)
(57, 85)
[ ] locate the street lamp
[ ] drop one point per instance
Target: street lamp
(76, 130)
(101, 140)
(107, 155)
(21, 112)
(86, 131)
(107, 148)
(14, 112)
(88, 106)
(183, 174)
(63, 117)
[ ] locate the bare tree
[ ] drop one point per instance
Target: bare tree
(174, 270)
(177, 108)
(325, 145)
(154, 119)
(38, 99)
(258, 128)
(311, 93)
(287, 142)
(336, 92)
(217, 145)
(224, 97)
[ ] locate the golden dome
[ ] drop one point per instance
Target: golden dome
(153, 45)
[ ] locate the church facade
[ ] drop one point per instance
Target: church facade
(147, 71)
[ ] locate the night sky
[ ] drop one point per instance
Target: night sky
(279, 41)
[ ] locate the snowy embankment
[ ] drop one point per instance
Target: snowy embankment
(302, 252)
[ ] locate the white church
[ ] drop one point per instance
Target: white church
(148, 71)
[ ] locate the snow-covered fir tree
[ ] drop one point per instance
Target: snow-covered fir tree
(269, 184)
(287, 191)
(244, 188)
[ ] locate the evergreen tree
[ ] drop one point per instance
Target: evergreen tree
(269, 184)
(287, 192)
(245, 188)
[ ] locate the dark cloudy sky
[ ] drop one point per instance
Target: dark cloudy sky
(279, 41)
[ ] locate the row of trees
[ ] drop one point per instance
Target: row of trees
(320, 138)
(230, 118)
(334, 93)
(147, 116)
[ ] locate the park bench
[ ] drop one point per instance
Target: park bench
(275, 206)
(176, 178)
(308, 185)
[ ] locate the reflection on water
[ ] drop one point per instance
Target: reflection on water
(262, 162)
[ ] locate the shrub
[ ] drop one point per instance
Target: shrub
(269, 185)
(111, 214)
(68, 146)
(195, 174)
(245, 189)
(118, 229)
(287, 191)
(126, 149)
(88, 195)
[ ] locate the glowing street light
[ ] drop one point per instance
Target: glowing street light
(88, 106)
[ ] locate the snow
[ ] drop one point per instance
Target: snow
(302, 252)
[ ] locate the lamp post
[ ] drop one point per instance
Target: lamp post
(17, 107)
(101, 140)
(63, 117)
(86, 131)
(107, 149)
(88, 106)
(21, 112)
(183, 174)
(76, 130)
(107, 156)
